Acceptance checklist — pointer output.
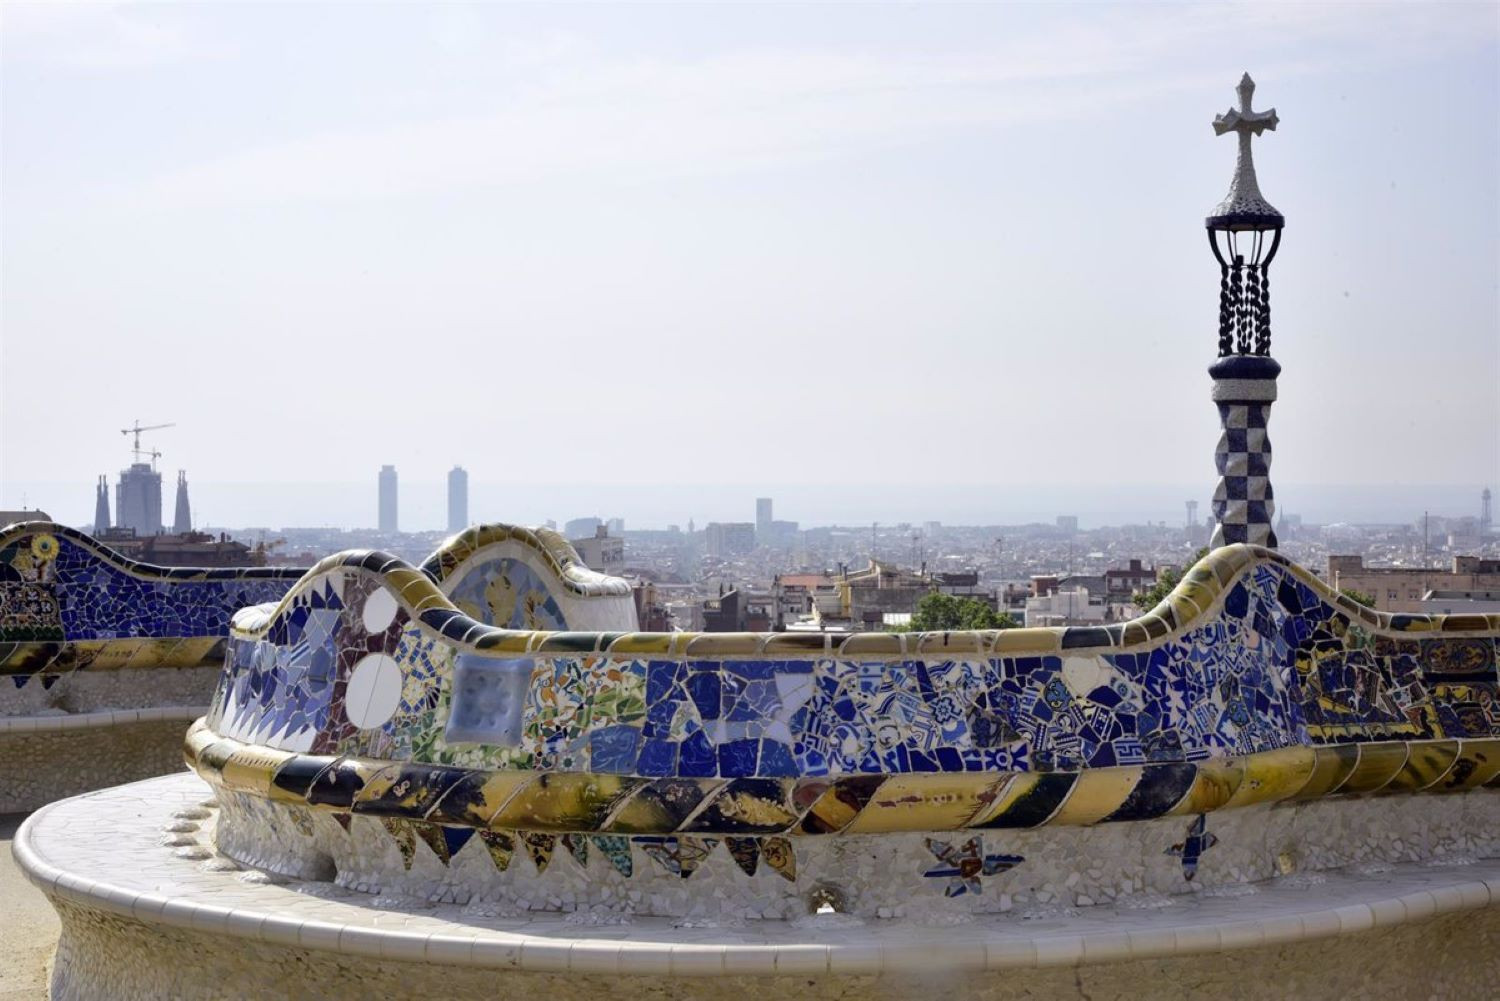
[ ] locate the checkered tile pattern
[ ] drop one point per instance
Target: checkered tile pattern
(1244, 504)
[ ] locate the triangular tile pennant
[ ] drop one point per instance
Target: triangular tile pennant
(779, 856)
(432, 837)
(343, 821)
(539, 847)
(680, 855)
(745, 852)
(616, 848)
(48, 680)
(406, 841)
(20, 679)
(578, 846)
(455, 838)
(501, 847)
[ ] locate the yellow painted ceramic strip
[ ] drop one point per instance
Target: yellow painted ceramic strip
(1098, 793)
(1333, 766)
(1478, 763)
(929, 801)
(1426, 764)
(1378, 764)
(1272, 776)
(1217, 781)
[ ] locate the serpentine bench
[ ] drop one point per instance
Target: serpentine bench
(437, 756)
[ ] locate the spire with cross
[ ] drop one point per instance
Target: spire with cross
(1244, 206)
(1244, 232)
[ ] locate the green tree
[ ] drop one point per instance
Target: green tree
(1165, 581)
(1358, 597)
(938, 612)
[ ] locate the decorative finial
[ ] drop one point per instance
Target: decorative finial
(1244, 207)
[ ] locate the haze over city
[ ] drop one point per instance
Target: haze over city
(655, 273)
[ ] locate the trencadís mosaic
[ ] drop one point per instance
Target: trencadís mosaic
(1252, 683)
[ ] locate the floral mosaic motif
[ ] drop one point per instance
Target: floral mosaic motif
(680, 855)
(617, 850)
(964, 864)
(507, 593)
(539, 847)
(501, 847)
(1191, 848)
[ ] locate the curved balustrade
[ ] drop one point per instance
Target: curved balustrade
(68, 602)
(368, 692)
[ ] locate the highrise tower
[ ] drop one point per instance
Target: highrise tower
(182, 517)
(138, 499)
(458, 499)
(1244, 231)
(101, 507)
(388, 499)
(763, 519)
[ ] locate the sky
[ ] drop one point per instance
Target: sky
(897, 262)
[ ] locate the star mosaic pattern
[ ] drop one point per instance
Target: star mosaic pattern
(964, 864)
(1191, 848)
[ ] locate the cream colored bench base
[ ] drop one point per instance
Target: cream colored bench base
(45, 758)
(150, 910)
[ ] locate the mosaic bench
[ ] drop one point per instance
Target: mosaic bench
(1254, 725)
(104, 660)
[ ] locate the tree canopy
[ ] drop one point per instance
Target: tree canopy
(939, 612)
(1165, 581)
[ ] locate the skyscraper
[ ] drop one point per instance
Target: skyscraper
(458, 499)
(182, 518)
(763, 519)
(101, 507)
(138, 499)
(388, 499)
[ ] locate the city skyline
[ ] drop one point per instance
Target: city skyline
(424, 504)
(993, 224)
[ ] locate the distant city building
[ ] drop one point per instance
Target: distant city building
(458, 499)
(1066, 607)
(182, 516)
(763, 519)
(581, 528)
(726, 613)
(138, 500)
(101, 507)
(32, 514)
(187, 549)
(729, 538)
(617, 525)
(388, 520)
(1405, 589)
(1120, 584)
(1485, 518)
(651, 614)
(1068, 523)
(601, 551)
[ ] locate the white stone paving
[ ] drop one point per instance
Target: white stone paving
(105, 851)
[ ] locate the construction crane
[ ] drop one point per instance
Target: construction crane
(136, 447)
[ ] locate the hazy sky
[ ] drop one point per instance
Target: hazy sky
(711, 245)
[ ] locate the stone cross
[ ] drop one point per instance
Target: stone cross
(1244, 192)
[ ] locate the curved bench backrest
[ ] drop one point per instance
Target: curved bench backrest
(1249, 654)
(520, 578)
(68, 601)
